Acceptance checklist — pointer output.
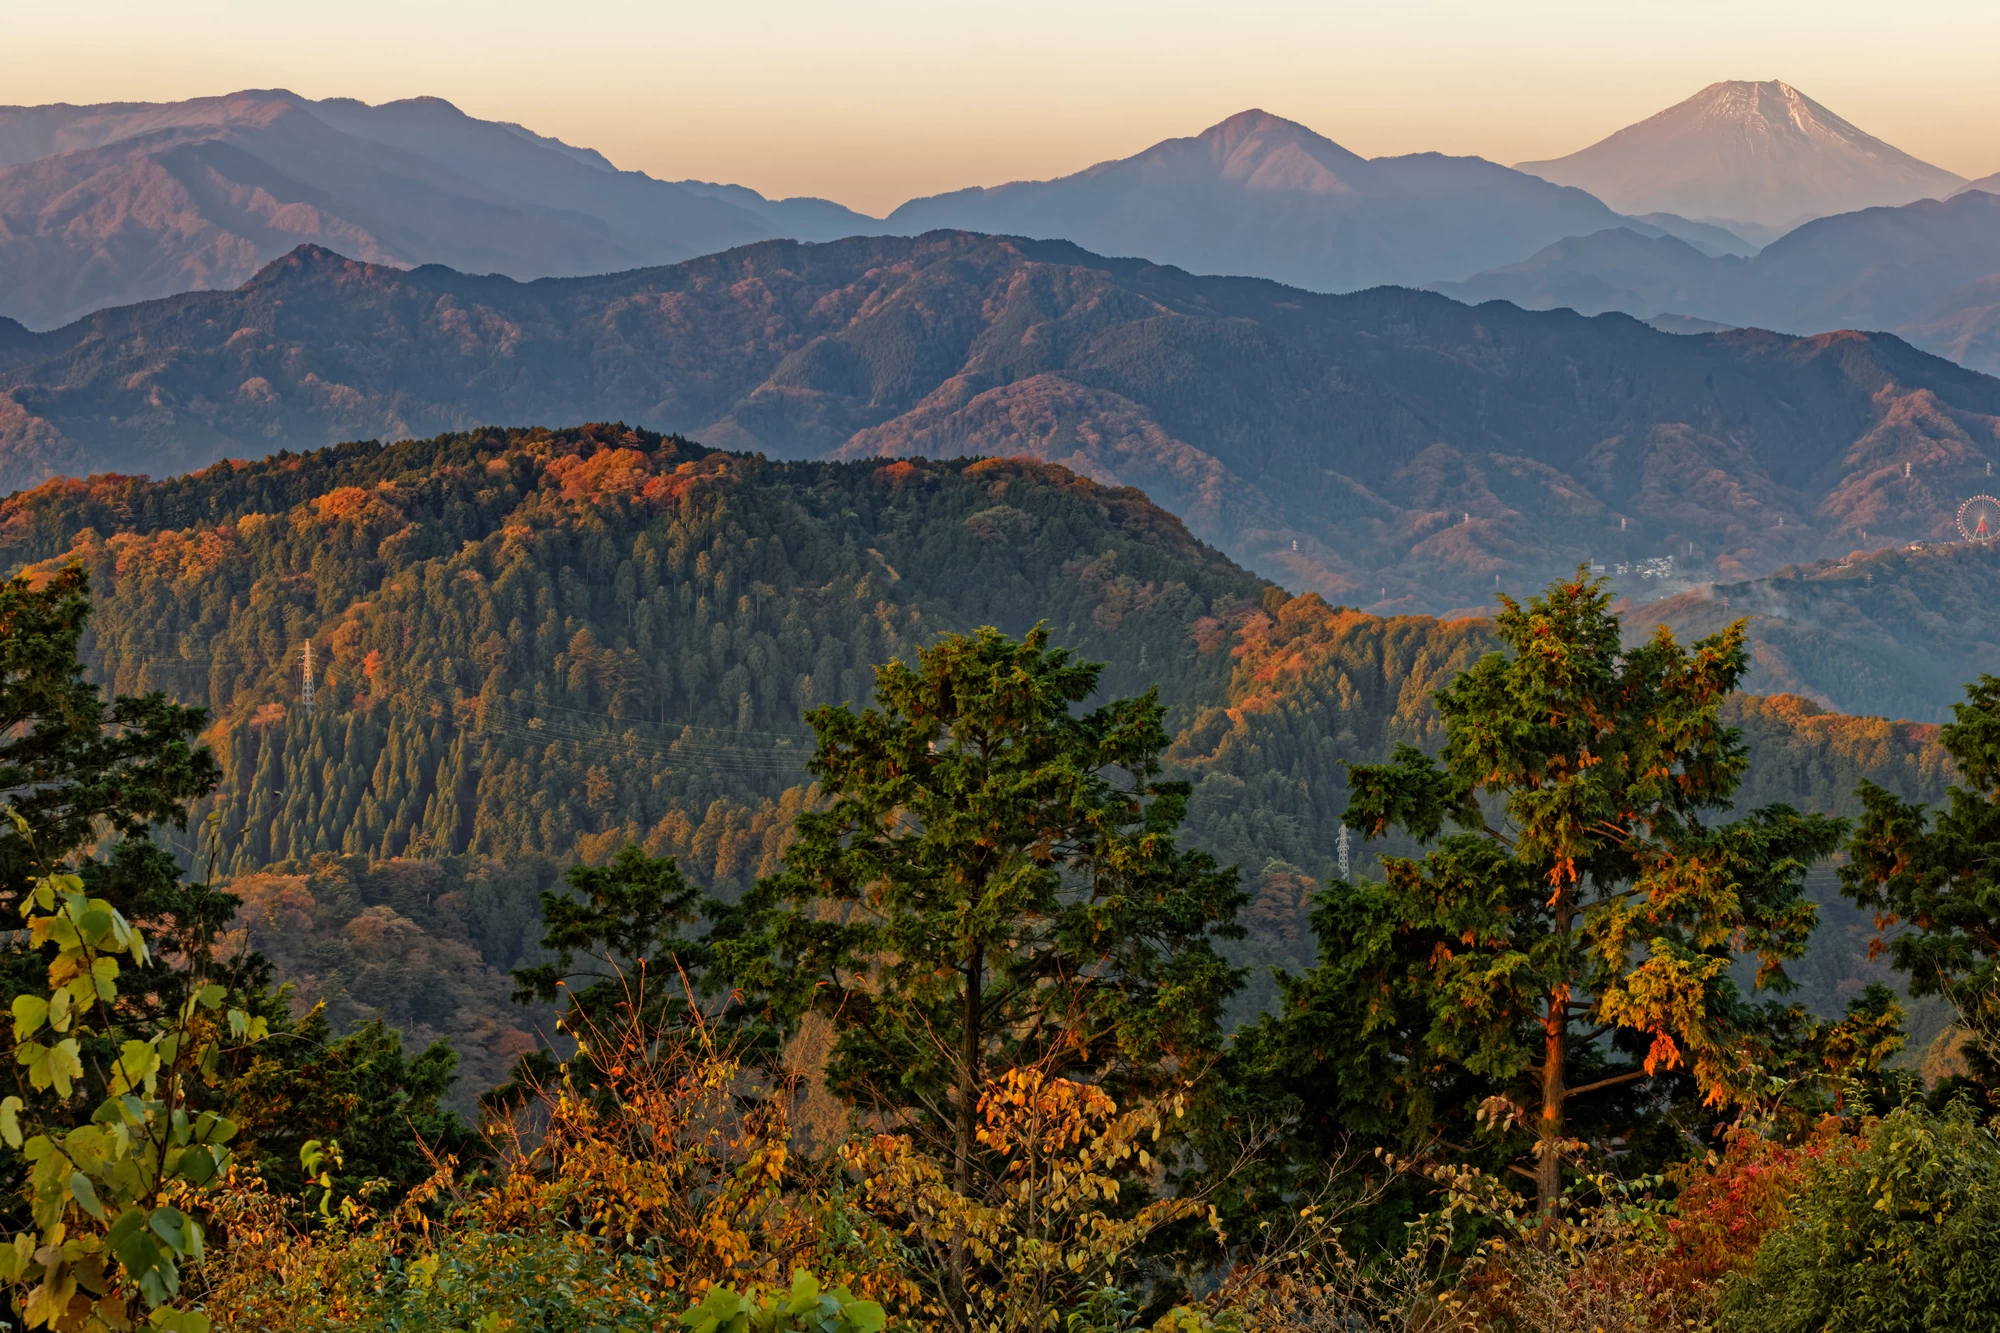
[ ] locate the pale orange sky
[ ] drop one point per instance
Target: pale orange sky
(873, 101)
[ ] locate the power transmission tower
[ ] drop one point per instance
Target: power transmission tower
(306, 691)
(1344, 873)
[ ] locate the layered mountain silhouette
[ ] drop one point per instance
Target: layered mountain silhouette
(1929, 271)
(1757, 153)
(1390, 448)
(104, 205)
(1267, 197)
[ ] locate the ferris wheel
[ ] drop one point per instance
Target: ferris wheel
(1979, 519)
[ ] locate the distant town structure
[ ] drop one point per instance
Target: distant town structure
(1979, 518)
(1659, 567)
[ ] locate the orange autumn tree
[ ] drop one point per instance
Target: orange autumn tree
(1056, 1234)
(1580, 883)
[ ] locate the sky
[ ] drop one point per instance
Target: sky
(871, 102)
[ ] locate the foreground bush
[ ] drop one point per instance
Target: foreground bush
(623, 1199)
(803, 1309)
(1903, 1234)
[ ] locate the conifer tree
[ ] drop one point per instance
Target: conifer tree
(1579, 887)
(1939, 872)
(77, 770)
(992, 883)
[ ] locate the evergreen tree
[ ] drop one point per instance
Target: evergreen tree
(1582, 893)
(992, 883)
(618, 953)
(73, 767)
(76, 770)
(89, 782)
(1939, 871)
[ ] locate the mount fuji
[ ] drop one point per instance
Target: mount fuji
(1758, 153)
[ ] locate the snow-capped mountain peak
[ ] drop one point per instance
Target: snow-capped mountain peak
(1758, 152)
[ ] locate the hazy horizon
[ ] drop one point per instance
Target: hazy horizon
(887, 100)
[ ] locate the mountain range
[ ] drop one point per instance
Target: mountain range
(1261, 195)
(1389, 448)
(109, 204)
(1897, 631)
(1929, 271)
(1748, 156)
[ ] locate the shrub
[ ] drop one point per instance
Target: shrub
(627, 1196)
(1903, 1234)
(803, 1309)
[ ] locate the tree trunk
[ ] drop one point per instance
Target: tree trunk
(1555, 1060)
(970, 1079)
(1549, 1131)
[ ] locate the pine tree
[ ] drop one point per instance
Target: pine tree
(993, 884)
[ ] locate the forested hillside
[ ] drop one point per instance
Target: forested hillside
(1896, 632)
(1389, 449)
(552, 642)
(533, 646)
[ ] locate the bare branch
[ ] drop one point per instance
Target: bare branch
(1615, 1079)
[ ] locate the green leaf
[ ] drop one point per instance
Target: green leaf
(147, 1264)
(138, 1066)
(95, 923)
(30, 1012)
(51, 1066)
(15, 1258)
(211, 996)
(171, 1225)
(123, 1227)
(87, 1146)
(10, 1122)
(805, 1292)
(212, 1128)
(85, 1194)
(165, 1320)
(198, 1165)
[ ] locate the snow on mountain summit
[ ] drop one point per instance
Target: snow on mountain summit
(1755, 152)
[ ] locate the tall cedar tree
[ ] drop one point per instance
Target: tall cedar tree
(994, 883)
(1584, 897)
(74, 768)
(1939, 872)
